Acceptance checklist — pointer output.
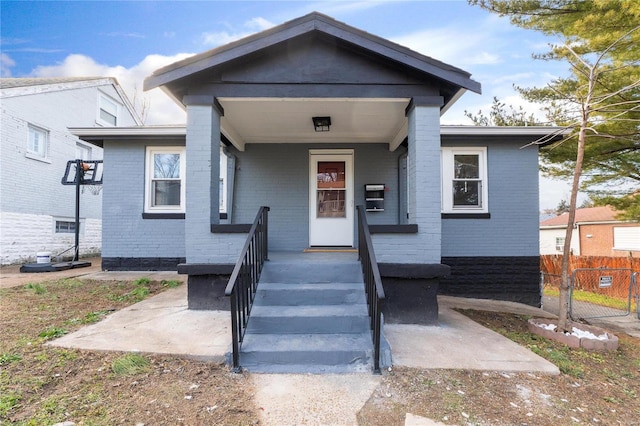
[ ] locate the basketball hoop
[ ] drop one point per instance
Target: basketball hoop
(91, 189)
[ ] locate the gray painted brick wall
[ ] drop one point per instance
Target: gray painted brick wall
(512, 229)
(129, 235)
(277, 175)
(423, 172)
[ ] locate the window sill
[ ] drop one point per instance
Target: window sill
(394, 229)
(163, 215)
(36, 157)
(232, 228)
(466, 215)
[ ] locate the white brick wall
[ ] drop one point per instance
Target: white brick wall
(23, 235)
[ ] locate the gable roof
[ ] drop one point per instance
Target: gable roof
(586, 215)
(313, 23)
(8, 83)
(13, 87)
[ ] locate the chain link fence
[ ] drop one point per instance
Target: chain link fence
(598, 292)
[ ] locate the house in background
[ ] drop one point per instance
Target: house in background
(37, 213)
(307, 115)
(597, 233)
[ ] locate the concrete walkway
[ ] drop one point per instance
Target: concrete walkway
(163, 324)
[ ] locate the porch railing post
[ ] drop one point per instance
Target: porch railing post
(243, 282)
(372, 284)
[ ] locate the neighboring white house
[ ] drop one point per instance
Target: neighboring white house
(37, 212)
(597, 233)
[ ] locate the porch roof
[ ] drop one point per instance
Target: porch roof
(311, 23)
(270, 84)
(97, 135)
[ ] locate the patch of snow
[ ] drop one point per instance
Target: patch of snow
(575, 331)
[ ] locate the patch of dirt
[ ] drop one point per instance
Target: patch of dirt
(595, 388)
(40, 384)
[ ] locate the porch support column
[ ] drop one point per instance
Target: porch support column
(423, 175)
(202, 176)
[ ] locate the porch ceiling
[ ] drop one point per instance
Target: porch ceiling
(288, 120)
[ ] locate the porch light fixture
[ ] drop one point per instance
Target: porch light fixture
(321, 124)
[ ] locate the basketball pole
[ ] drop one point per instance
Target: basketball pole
(79, 173)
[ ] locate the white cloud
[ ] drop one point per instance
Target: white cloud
(162, 109)
(5, 65)
(221, 38)
(443, 44)
(126, 35)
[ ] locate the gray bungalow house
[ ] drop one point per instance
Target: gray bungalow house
(313, 118)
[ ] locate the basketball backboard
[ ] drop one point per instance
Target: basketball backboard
(90, 172)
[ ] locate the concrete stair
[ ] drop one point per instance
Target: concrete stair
(309, 317)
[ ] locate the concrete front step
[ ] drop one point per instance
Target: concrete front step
(307, 353)
(321, 319)
(309, 318)
(310, 294)
(286, 272)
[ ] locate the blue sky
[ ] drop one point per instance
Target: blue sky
(130, 39)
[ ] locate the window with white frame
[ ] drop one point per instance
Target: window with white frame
(107, 111)
(38, 142)
(165, 180)
(464, 180)
(83, 152)
(560, 243)
(223, 182)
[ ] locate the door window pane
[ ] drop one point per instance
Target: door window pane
(331, 174)
(331, 203)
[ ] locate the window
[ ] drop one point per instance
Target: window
(626, 238)
(83, 152)
(38, 142)
(464, 180)
(165, 180)
(107, 111)
(559, 243)
(223, 181)
(65, 227)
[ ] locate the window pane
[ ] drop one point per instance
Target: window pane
(63, 227)
(37, 143)
(466, 166)
(331, 203)
(166, 166)
(166, 193)
(466, 193)
(331, 174)
(107, 117)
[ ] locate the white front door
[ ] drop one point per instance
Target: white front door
(331, 209)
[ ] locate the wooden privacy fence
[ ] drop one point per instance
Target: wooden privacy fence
(550, 266)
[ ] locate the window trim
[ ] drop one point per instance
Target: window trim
(148, 178)
(36, 155)
(447, 164)
(104, 99)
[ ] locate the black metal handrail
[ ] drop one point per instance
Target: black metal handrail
(243, 282)
(372, 283)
